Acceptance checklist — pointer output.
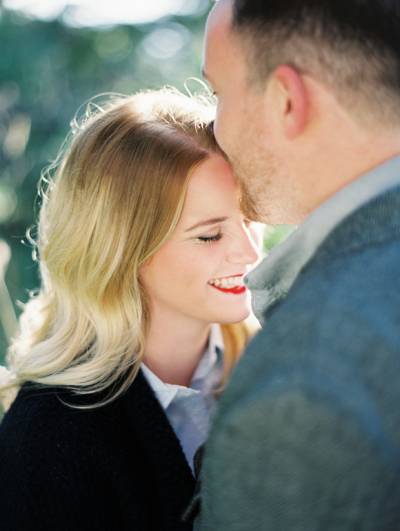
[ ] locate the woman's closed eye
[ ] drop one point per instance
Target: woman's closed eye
(210, 239)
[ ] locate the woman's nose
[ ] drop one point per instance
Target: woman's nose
(246, 249)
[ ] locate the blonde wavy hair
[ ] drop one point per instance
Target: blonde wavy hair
(114, 197)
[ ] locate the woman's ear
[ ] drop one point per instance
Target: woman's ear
(290, 94)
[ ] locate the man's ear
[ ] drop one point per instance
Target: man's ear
(290, 94)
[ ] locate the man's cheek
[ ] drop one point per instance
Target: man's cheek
(221, 131)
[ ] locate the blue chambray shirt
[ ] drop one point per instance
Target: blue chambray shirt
(190, 409)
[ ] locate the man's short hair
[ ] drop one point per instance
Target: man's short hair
(353, 46)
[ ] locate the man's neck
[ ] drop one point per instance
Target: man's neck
(355, 160)
(335, 148)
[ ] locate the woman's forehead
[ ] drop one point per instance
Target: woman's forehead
(211, 187)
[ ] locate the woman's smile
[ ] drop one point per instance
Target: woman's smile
(233, 284)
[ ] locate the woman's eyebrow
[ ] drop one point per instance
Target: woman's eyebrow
(212, 221)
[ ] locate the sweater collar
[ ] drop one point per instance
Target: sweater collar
(273, 278)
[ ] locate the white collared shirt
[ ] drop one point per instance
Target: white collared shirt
(189, 409)
(271, 280)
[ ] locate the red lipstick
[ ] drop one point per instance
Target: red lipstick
(236, 291)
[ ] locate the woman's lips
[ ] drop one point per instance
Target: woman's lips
(236, 290)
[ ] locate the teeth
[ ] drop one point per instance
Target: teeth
(228, 282)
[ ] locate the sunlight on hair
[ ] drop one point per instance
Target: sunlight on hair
(109, 201)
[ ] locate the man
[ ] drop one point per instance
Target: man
(307, 434)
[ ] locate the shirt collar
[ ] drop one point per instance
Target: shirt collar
(271, 280)
(210, 358)
(209, 363)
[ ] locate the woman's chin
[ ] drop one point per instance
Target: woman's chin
(234, 316)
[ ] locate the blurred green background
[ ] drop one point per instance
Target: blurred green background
(48, 68)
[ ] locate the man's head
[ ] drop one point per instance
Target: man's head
(303, 87)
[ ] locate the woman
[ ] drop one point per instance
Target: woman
(142, 248)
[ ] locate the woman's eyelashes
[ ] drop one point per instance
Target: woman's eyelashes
(216, 237)
(210, 239)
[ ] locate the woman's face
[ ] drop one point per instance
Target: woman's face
(197, 274)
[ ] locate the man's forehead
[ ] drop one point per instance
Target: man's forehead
(220, 17)
(218, 33)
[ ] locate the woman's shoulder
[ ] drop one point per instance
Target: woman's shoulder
(41, 418)
(50, 452)
(36, 402)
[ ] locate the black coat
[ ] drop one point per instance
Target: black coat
(119, 467)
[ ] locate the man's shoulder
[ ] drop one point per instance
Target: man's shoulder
(346, 300)
(352, 288)
(340, 320)
(359, 257)
(373, 227)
